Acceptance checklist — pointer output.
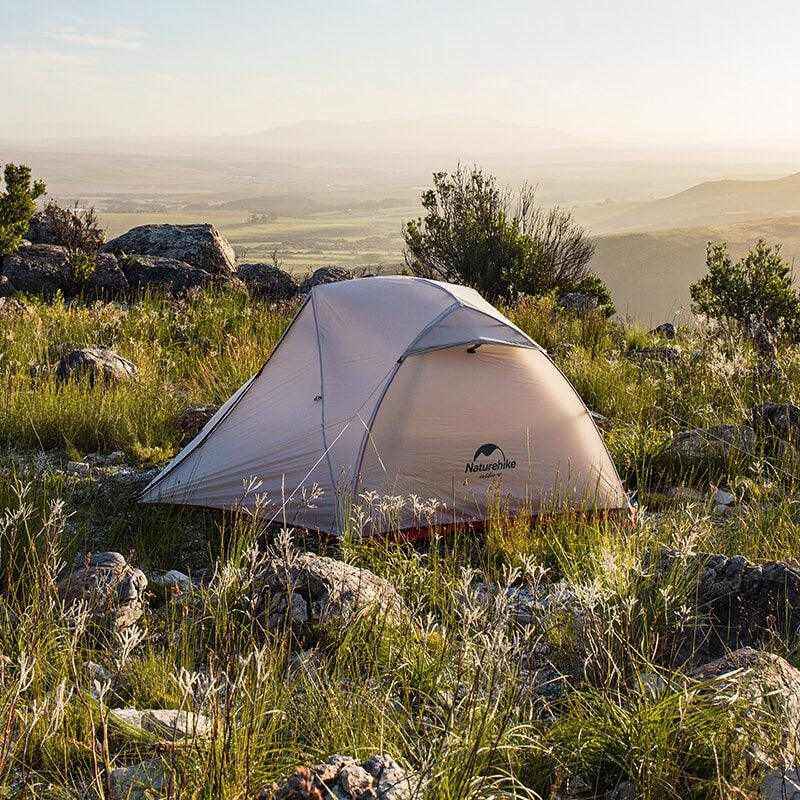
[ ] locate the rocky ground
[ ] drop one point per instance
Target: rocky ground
(155, 652)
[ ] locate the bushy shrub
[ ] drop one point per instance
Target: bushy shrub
(502, 244)
(76, 229)
(756, 292)
(594, 286)
(17, 206)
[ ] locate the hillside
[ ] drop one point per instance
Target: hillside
(720, 202)
(649, 272)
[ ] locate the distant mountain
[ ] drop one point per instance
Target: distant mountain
(722, 202)
(649, 272)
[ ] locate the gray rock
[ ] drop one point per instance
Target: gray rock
(95, 363)
(113, 590)
(156, 272)
(325, 275)
(778, 420)
(41, 230)
(192, 420)
(782, 783)
(718, 443)
(170, 584)
(202, 246)
(165, 723)
(742, 603)
(770, 687)
(665, 329)
(107, 281)
(578, 302)
(139, 781)
(268, 282)
(40, 269)
(319, 589)
(342, 777)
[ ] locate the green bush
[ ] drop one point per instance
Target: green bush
(756, 292)
(17, 206)
(501, 244)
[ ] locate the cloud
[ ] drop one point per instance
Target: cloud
(117, 39)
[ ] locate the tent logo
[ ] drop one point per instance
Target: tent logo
(481, 463)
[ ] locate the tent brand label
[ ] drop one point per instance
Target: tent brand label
(485, 460)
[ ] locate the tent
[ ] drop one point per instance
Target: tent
(397, 387)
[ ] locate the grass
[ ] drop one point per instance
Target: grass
(595, 691)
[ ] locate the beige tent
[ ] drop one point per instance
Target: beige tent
(398, 386)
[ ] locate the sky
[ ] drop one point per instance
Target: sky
(705, 73)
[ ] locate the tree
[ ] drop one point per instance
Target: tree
(76, 229)
(17, 206)
(501, 244)
(756, 292)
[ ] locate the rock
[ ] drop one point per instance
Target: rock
(138, 782)
(114, 459)
(41, 230)
(342, 777)
(170, 274)
(312, 588)
(170, 584)
(770, 687)
(744, 603)
(724, 498)
(325, 275)
(781, 784)
(106, 281)
(11, 307)
(192, 420)
(94, 363)
(718, 443)
(268, 282)
(113, 590)
(40, 269)
(166, 723)
(202, 246)
(778, 420)
(665, 330)
(666, 355)
(78, 468)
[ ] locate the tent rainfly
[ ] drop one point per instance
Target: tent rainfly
(398, 386)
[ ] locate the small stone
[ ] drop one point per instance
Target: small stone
(78, 468)
(137, 782)
(665, 329)
(724, 498)
(781, 784)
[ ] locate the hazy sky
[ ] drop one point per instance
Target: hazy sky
(705, 72)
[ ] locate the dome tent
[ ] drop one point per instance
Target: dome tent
(399, 386)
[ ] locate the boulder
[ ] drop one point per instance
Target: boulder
(317, 589)
(139, 781)
(342, 777)
(170, 274)
(43, 270)
(268, 282)
(41, 230)
(94, 363)
(39, 269)
(770, 687)
(325, 275)
(578, 302)
(168, 724)
(742, 603)
(780, 421)
(665, 330)
(202, 246)
(781, 784)
(192, 420)
(107, 280)
(170, 585)
(717, 443)
(113, 590)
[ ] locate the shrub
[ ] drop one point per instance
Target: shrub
(76, 229)
(17, 206)
(756, 293)
(595, 286)
(501, 244)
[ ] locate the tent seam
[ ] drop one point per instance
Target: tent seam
(322, 400)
